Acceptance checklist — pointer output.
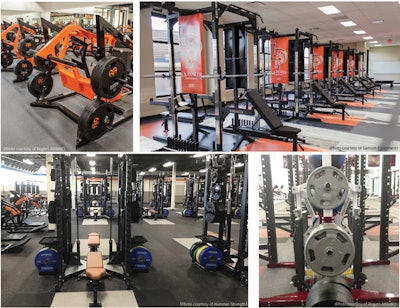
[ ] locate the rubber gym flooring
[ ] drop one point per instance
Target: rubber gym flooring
(172, 279)
(383, 278)
(32, 129)
(373, 126)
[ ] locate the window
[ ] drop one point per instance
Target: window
(161, 54)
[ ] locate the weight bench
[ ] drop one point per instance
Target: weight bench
(381, 82)
(330, 102)
(93, 241)
(353, 91)
(94, 266)
(274, 122)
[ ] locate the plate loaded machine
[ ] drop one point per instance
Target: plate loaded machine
(214, 252)
(57, 256)
(328, 250)
(18, 40)
(104, 85)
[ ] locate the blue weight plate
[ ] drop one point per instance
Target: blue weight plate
(210, 258)
(140, 258)
(46, 260)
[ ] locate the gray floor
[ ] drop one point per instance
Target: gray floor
(383, 278)
(172, 280)
(30, 129)
(378, 130)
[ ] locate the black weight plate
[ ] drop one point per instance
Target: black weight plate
(95, 119)
(11, 36)
(38, 83)
(6, 59)
(103, 77)
(25, 45)
(23, 68)
(209, 212)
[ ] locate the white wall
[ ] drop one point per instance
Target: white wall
(9, 177)
(384, 63)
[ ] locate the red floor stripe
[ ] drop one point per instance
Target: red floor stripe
(335, 119)
(271, 145)
(360, 105)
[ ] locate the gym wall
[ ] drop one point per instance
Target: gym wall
(13, 176)
(384, 63)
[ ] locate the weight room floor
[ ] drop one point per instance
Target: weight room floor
(32, 129)
(373, 126)
(383, 278)
(172, 279)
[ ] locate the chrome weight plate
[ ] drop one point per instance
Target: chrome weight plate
(329, 250)
(327, 188)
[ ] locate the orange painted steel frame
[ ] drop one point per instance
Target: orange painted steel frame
(71, 77)
(17, 39)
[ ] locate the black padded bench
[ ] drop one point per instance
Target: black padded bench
(381, 82)
(330, 103)
(273, 121)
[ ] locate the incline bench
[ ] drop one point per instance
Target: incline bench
(94, 266)
(274, 122)
(330, 102)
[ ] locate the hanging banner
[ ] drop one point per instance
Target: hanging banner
(280, 60)
(191, 38)
(337, 64)
(351, 66)
(318, 62)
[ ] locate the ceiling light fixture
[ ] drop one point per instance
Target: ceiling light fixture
(199, 155)
(373, 42)
(152, 169)
(329, 10)
(28, 162)
(348, 23)
(92, 163)
(378, 21)
(368, 38)
(378, 45)
(168, 164)
(142, 173)
(360, 32)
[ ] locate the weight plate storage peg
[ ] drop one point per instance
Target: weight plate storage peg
(6, 59)
(25, 45)
(107, 75)
(327, 188)
(40, 83)
(96, 118)
(23, 68)
(140, 258)
(329, 250)
(46, 260)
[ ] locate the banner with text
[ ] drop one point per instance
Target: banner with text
(191, 37)
(280, 60)
(318, 61)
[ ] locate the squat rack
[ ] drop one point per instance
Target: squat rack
(216, 10)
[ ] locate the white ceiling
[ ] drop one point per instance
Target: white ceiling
(285, 17)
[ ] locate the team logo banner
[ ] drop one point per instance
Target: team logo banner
(318, 62)
(337, 64)
(280, 60)
(192, 53)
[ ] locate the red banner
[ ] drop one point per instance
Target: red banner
(280, 60)
(351, 66)
(337, 64)
(192, 53)
(318, 62)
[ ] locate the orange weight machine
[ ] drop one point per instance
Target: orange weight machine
(103, 85)
(17, 41)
